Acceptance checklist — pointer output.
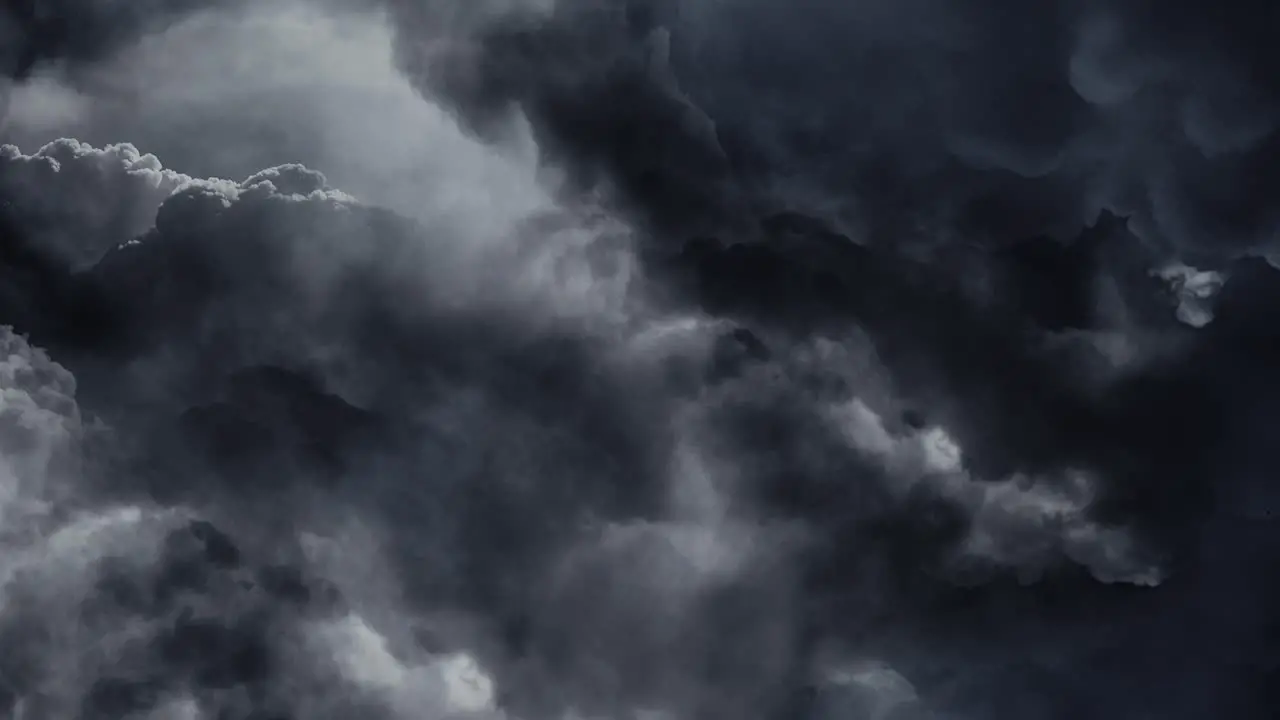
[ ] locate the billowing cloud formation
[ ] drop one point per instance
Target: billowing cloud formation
(230, 326)
(81, 200)
(910, 121)
(274, 83)
(851, 371)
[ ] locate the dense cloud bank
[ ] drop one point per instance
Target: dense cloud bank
(878, 360)
(916, 122)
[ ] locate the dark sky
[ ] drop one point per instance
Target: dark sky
(639, 359)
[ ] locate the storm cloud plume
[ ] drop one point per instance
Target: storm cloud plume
(641, 359)
(921, 121)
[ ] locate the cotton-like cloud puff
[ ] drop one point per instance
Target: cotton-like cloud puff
(79, 201)
(42, 429)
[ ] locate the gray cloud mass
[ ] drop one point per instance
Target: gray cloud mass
(568, 360)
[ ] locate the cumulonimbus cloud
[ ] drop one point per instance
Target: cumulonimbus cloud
(829, 380)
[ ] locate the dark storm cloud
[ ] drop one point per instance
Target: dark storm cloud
(908, 426)
(79, 32)
(79, 201)
(593, 81)
(976, 156)
(509, 463)
(919, 120)
(967, 142)
(479, 452)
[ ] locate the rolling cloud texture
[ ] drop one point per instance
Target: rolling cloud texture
(526, 359)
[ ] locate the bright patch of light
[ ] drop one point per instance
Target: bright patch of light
(1194, 290)
(941, 452)
(467, 687)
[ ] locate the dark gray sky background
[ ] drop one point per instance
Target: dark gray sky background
(639, 359)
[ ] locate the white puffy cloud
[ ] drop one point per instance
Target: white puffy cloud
(78, 200)
(1193, 290)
